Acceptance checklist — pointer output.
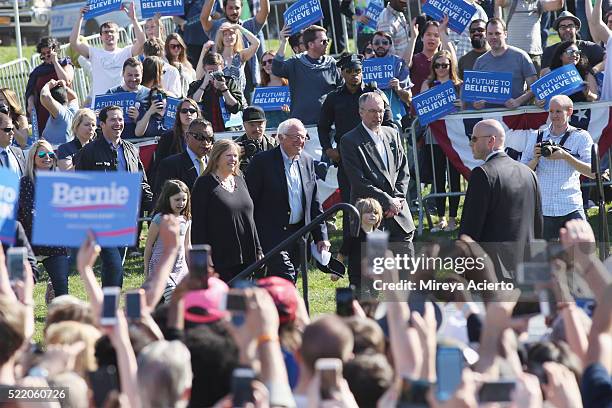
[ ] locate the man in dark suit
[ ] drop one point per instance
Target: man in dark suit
(10, 156)
(283, 186)
(502, 203)
(188, 165)
(377, 167)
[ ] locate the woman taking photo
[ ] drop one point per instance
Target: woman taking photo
(9, 99)
(83, 129)
(273, 118)
(230, 45)
(443, 69)
(176, 55)
(222, 212)
(568, 53)
(55, 259)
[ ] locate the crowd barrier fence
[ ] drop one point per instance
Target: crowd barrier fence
(14, 75)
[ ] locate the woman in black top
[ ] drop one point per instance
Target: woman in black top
(222, 212)
(568, 53)
(42, 158)
(83, 130)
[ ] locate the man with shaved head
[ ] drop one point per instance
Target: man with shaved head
(502, 203)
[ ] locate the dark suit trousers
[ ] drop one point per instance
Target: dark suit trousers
(345, 193)
(286, 264)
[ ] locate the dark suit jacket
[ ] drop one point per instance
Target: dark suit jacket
(267, 185)
(503, 205)
(369, 177)
(21, 161)
(178, 166)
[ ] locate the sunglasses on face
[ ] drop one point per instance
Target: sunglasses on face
(176, 46)
(202, 137)
(266, 62)
(4, 108)
(8, 129)
(369, 51)
(189, 110)
(477, 30)
(381, 42)
(42, 154)
(443, 66)
(572, 53)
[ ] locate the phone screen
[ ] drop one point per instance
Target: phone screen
(413, 394)
(344, 302)
(109, 305)
(376, 249)
(15, 259)
(500, 391)
(132, 303)
(235, 302)
(198, 262)
(449, 365)
(242, 386)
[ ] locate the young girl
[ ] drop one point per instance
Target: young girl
(173, 199)
(371, 213)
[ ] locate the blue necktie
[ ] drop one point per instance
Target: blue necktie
(5, 159)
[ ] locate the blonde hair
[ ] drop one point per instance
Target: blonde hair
(30, 170)
(238, 45)
(78, 119)
(69, 332)
(366, 205)
(220, 147)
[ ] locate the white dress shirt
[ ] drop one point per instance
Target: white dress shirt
(294, 186)
(378, 140)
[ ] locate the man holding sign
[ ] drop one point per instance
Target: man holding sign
(109, 152)
(106, 63)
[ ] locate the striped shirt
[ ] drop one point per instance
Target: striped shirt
(394, 22)
(524, 26)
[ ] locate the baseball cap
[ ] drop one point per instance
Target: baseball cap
(253, 114)
(284, 295)
(202, 306)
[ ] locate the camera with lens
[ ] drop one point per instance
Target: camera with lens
(250, 149)
(549, 147)
(217, 75)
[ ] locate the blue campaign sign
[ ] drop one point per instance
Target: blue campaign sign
(9, 197)
(565, 80)
(459, 12)
(271, 98)
(379, 70)
(435, 103)
(494, 87)
(170, 115)
(372, 12)
(100, 7)
(122, 99)
(69, 204)
(302, 14)
(163, 7)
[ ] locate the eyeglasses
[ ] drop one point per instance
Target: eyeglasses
(176, 46)
(189, 110)
(379, 111)
(477, 30)
(8, 129)
(474, 139)
(298, 137)
(266, 62)
(572, 53)
(381, 42)
(369, 51)
(443, 66)
(202, 137)
(567, 26)
(42, 154)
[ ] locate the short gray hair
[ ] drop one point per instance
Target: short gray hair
(164, 373)
(368, 96)
(289, 123)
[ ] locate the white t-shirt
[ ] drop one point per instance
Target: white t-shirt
(106, 68)
(171, 80)
(606, 88)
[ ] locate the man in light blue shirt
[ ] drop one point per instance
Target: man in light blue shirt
(62, 104)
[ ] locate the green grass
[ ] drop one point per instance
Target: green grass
(8, 54)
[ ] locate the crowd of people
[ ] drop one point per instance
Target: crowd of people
(198, 337)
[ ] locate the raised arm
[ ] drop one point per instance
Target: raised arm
(47, 100)
(262, 14)
(205, 17)
(65, 73)
(75, 42)
(551, 5)
(246, 54)
(414, 33)
(599, 30)
(140, 35)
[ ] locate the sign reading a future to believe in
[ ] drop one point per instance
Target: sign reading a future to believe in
(101, 7)
(379, 70)
(272, 98)
(75, 202)
(302, 14)
(565, 80)
(435, 103)
(494, 87)
(459, 12)
(164, 7)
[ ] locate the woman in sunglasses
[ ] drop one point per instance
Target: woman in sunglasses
(9, 104)
(55, 259)
(173, 141)
(52, 66)
(568, 53)
(443, 69)
(176, 55)
(273, 118)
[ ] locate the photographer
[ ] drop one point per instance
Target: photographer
(559, 155)
(217, 95)
(254, 140)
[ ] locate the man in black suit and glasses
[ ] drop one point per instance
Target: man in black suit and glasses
(283, 186)
(502, 204)
(376, 166)
(10, 156)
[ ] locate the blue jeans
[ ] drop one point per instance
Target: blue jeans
(112, 266)
(58, 267)
(552, 225)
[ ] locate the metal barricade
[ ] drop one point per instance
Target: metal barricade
(14, 75)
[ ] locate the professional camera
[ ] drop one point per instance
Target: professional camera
(250, 149)
(549, 147)
(217, 75)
